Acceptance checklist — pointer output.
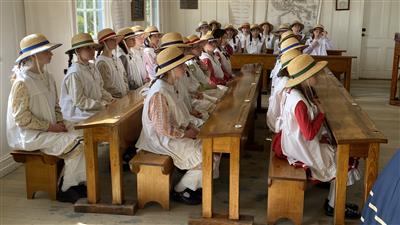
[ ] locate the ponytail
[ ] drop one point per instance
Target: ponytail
(100, 50)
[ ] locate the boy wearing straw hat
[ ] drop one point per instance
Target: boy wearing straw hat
(151, 44)
(318, 42)
(166, 126)
(82, 92)
(303, 139)
(110, 66)
(125, 53)
(34, 118)
(137, 52)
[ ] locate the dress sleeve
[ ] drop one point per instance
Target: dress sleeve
(20, 109)
(309, 128)
(160, 117)
(309, 48)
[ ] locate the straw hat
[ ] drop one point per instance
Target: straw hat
(244, 25)
(208, 37)
(170, 58)
(138, 30)
(317, 26)
(271, 27)
(289, 44)
(108, 33)
(255, 26)
(82, 40)
(283, 27)
(186, 41)
(214, 22)
(152, 30)
(202, 24)
(299, 23)
(172, 39)
(303, 67)
(126, 32)
(194, 39)
(288, 34)
(231, 27)
(289, 56)
(33, 44)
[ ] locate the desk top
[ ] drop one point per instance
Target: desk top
(231, 113)
(116, 112)
(347, 121)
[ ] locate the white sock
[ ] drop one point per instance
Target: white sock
(331, 196)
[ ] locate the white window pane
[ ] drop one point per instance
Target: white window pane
(89, 4)
(80, 20)
(90, 22)
(79, 4)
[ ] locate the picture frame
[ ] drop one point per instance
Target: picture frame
(189, 4)
(342, 5)
(137, 10)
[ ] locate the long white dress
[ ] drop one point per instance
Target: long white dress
(134, 77)
(137, 54)
(115, 82)
(42, 102)
(254, 46)
(82, 93)
(274, 104)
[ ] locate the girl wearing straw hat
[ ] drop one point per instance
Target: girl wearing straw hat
(221, 54)
(137, 52)
(34, 118)
(303, 139)
(319, 42)
(233, 38)
(267, 34)
(167, 129)
(151, 44)
(214, 25)
(244, 35)
(297, 28)
(217, 74)
(111, 68)
(125, 53)
(256, 43)
(203, 27)
(82, 92)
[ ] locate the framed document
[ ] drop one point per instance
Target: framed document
(137, 10)
(342, 4)
(189, 4)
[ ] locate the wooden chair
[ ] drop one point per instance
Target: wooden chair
(286, 186)
(41, 171)
(153, 178)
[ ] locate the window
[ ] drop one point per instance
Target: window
(151, 13)
(90, 16)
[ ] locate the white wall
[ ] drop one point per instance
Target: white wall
(344, 27)
(12, 30)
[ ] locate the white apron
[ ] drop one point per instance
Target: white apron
(218, 72)
(42, 102)
(92, 84)
(226, 63)
(235, 45)
(138, 59)
(274, 104)
(254, 46)
(133, 74)
(117, 72)
(269, 40)
(185, 152)
(319, 157)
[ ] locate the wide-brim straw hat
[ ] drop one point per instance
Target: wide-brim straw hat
(244, 25)
(194, 39)
(172, 39)
(108, 33)
(33, 44)
(231, 27)
(170, 58)
(289, 56)
(271, 27)
(289, 44)
(214, 22)
(255, 27)
(152, 30)
(288, 34)
(138, 30)
(126, 32)
(208, 37)
(201, 24)
(303, 67)
(82, 40)
(299, 23)
(282, 28)
(317, 26)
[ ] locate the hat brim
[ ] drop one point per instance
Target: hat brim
(300, 47)
(119, 38)
(301, 25)
(95, 45)
(46, 47)
(176, 45)
(311, 72)
(140, 33)
(175, 64)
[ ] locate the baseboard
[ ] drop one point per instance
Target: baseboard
(7, 165)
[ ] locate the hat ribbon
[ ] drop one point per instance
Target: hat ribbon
(34, 46)
(169, 62)
(289, 47)
(307, 68)
(170, 43)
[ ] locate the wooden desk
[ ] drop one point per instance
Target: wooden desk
(394, 96)
(119, 125)
(335, 52)
(356, 136)
(224, 132)
(337, 64)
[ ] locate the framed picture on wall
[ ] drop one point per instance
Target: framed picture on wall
(137, 10)
(342, 4)
(189, 4)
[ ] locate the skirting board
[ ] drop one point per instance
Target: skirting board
(7, 165)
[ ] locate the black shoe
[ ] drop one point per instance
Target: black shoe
(324, 185)
(69, 195)
(81, 190)
(348, 205)
(348, 213)
(187, 197)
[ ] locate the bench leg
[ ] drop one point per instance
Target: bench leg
(285, 200)
(40, 177)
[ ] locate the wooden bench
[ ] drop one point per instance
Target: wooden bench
(286, 186)
(153, 177)
(41, 171)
